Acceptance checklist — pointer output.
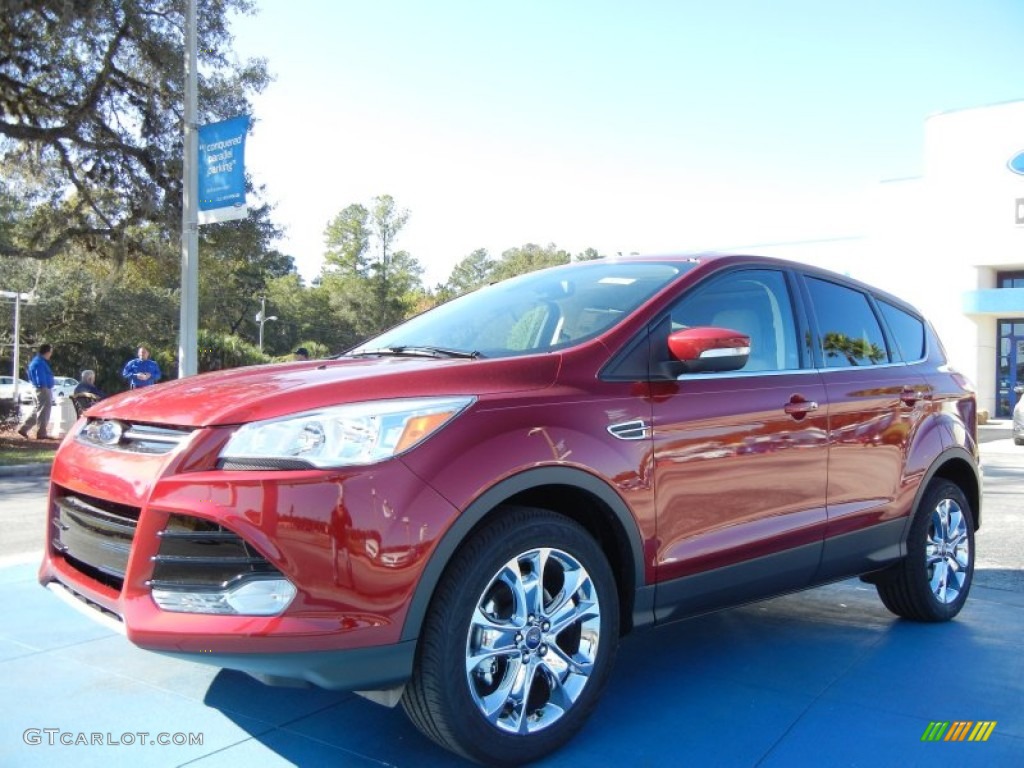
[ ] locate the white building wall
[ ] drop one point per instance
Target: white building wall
(929, 240)
(975, 195)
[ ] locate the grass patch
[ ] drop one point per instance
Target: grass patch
(14, 449)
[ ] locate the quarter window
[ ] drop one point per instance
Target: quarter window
(850, 333)
(907, 329)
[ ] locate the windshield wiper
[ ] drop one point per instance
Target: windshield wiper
(417, 351)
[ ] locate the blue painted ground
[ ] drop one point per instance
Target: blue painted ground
(827, 677)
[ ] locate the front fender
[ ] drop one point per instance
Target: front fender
(478, 510)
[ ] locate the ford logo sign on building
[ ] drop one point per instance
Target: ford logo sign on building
(1016, 163)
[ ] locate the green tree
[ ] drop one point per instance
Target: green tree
(527, 258)
(95, 312)
(470, 273)
(371, 284)
(236, 262)
(91, 121)
(304, 319)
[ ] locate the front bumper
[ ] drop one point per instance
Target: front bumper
(352, 542)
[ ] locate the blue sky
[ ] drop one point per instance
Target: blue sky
(645, 126)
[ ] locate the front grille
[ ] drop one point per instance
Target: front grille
(127, 437)
(95, 536)
(196, 553)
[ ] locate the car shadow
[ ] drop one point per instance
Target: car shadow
(729, 684)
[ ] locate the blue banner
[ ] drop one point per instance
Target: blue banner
(222, 170)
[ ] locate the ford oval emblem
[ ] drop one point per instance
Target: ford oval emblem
(1016, 163)
(109, 432)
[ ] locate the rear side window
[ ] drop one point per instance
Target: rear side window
(850, 334)
(907, 329)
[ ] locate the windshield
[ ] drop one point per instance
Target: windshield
(536, 312)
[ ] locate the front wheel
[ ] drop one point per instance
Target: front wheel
(519, 640)
(933, 580)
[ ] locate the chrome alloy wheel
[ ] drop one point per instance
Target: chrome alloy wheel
(947, 551)
(533, 640)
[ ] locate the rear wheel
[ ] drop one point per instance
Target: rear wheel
(519, 640)
(933, 580)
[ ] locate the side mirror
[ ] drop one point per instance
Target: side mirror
(709, 349)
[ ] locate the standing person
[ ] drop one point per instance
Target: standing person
(141, 372)
(41, 376)
(301, 354)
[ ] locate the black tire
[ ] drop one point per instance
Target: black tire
(481, 610)
(1018, 441)
(932, 582)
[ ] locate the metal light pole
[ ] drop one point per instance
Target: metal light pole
(261, 318)
(16, 350)
(188, 338)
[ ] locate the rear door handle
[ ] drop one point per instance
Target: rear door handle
(910, 396)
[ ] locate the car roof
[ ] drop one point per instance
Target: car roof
(709, 257)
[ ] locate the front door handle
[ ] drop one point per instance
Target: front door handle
(798, 407)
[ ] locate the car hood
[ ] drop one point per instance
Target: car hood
(242, 395)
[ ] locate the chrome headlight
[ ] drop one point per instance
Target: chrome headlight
(344, 435)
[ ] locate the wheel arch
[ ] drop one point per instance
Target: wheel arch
(958, 466)
(568, 491)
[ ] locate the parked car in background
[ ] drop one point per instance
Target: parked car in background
(26, 392)
(64, 386)
(1018, 417)
(465, 513)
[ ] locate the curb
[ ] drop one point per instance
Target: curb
(37, 469)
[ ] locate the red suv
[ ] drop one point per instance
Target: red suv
(465, 513)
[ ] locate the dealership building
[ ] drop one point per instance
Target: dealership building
(951, 242)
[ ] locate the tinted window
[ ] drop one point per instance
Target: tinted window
(908, 330)
(850, 333)
(755, 302)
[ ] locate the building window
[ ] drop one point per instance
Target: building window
(1010, 370)
(1010, 279)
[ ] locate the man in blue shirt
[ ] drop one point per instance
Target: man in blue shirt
(41, 376)
(141, 372)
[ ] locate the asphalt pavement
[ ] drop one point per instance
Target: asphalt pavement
(824, 677)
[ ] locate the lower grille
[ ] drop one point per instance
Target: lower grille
(95, 536)
(196, 553)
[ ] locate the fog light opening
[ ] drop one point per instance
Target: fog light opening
(251, 597)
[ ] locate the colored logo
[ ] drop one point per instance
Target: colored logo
(959, 730)
(1016, 163)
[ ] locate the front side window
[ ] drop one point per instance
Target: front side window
(755, 302)
(850, 335)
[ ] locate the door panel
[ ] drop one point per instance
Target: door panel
(876, 404)
(874, 413)
(740, 458)
(736, 476)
